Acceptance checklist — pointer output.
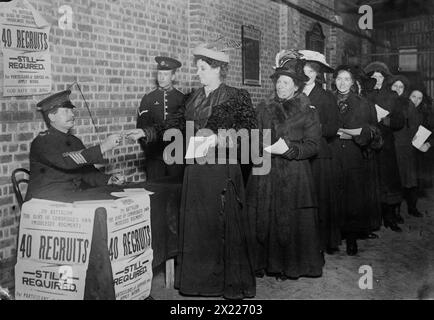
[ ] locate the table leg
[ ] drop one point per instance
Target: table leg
(170, 273)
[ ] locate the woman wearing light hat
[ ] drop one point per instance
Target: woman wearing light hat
(322, 166)
(284, 202)
(215, 241)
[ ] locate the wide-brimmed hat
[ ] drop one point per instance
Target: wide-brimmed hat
(217, 49)
(314, 56)
(377, 66)
(288, 63)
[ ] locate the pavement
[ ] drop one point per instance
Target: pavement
(396, 266)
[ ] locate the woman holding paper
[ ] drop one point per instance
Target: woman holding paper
(405, 151)
(352, 152)
(215, 240)
(284, 202)
(390, 183)
(425, 159)
(322, 166)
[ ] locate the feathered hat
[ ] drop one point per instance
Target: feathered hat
(288, 63)
(217, 49)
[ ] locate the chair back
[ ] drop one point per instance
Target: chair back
(20, 177)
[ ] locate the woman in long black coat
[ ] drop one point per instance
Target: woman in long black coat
(215, 242)
(353, 156)
(425, 160)
(283, 202)
(322, 166)
(408, 156)
(390, 182)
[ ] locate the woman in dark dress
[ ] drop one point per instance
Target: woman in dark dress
(352, 152)
(406, 153)
(390, 182)
(215, 240)
(425, 159)
(322, 166)
(284, 201)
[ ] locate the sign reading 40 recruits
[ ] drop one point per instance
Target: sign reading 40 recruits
(53, 250)
(26, 58)
(129, 243)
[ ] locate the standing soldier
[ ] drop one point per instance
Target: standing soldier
(154, 109)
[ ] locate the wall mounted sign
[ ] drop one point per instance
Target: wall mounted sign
(251, 40)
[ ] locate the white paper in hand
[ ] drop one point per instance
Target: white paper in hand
(351, 132)
(131, 192)
(381, 113)
(198, 146)
(280, 147)
(420, 137)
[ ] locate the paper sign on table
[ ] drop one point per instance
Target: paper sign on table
(131, 192)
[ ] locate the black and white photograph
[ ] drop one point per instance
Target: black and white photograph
(216, 155)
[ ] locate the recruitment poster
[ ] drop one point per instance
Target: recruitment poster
(129, 243)
(24, 40)
(53, 250)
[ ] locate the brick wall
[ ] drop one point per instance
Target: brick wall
(110, 52)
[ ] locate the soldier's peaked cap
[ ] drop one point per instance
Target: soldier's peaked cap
(57, 100)
(167, 63)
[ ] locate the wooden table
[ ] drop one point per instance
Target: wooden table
(165, 204)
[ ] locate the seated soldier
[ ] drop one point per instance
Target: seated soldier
(59, 162)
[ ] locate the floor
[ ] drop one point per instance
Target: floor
(402, 267)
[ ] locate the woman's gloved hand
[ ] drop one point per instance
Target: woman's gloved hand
(292, 153)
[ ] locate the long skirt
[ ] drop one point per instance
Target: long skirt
(407, 164)
(285, 214)
(328, 210)
(215, 243)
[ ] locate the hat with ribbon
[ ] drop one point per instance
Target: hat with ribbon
(288, 63)
(217, 49)
(314, 56)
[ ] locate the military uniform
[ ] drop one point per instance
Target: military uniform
(59, 162)
(154, 109)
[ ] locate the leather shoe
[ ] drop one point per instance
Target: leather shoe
(331, 251)
(260, 273)
(392, 225)
(352, 247)
(415, 213)
(372, 236)
(399, 219)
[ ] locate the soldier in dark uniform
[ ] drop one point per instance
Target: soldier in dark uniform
(60, 165)
(154, 109)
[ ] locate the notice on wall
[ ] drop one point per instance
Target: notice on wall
(130, 250)
(26, 73)
(53, 250)
(24, 40)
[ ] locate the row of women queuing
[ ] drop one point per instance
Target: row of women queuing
(343, 176)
